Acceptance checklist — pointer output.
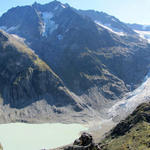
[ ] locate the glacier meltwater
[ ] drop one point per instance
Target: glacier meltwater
(22, 136)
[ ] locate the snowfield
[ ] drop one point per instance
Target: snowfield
(111, 29)
(144, 34)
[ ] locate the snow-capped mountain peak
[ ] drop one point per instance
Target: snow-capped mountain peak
(52, 6)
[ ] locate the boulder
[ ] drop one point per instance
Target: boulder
(85, 142)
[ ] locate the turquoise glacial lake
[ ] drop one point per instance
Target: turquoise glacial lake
(22, 136)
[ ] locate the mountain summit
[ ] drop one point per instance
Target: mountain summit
(94, 57)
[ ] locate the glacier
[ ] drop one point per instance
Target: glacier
(132, 99)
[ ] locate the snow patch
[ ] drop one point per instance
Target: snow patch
(49, 25)
(113, 20)
(3, 28)
(59, 6)
(11, 29)
(60, 37)
(144, 34)
(63, 6)
(56, 8)
(110, 28)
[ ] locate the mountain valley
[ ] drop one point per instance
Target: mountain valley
(59, 64)
(94, 62)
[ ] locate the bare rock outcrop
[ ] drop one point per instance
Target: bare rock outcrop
(85, 142)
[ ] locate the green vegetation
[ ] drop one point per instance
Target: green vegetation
(23, 76)
(138, 138)
(131, 134)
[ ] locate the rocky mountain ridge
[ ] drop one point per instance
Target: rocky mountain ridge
(25, 79)
(131, 133)
(93, 63)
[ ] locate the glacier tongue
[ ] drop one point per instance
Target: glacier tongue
(127, 105)
(49, 25)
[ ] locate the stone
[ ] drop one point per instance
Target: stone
(85, 142)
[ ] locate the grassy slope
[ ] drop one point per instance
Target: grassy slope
(138, 138)
(132, 133)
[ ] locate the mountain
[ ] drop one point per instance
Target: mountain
(108, 21)
(96, 64)
(131, 133)
(139, 27)
(25, 79)
(142, 30)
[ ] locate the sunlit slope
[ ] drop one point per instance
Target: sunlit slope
(131, 133)
(91, 58)
(24, 78)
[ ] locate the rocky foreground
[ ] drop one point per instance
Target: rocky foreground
(132, 133)
(1, 148)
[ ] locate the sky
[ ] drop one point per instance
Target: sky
(129, 11)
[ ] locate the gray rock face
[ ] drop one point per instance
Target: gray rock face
(85, 56)
(106, 19)
(85, 142)
(24, 78)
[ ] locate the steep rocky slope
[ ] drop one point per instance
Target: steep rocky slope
(94, 62)
(25, 79)
(91, 60)
(131, 133)
(108, 21)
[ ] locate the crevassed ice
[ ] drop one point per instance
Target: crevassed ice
(132, 100)
(49, 25)
(110, 28)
